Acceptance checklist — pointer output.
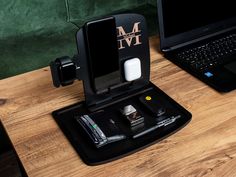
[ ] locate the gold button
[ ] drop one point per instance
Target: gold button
(148, 98)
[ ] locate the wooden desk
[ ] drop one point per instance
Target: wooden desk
(206, 146)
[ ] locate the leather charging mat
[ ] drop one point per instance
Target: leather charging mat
(177, 117)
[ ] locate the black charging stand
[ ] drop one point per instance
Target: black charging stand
(133, 42)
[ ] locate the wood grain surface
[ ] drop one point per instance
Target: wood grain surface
(205, 147)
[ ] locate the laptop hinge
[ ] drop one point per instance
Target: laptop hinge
(193, 41)
(166, 49)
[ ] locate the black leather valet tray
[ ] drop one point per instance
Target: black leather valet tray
(174, 118)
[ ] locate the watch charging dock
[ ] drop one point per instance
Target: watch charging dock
(123, 111)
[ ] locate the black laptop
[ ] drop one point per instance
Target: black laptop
(200, 37)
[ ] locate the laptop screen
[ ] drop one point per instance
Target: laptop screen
(182, 16)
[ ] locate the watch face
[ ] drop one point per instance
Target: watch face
(68, 72)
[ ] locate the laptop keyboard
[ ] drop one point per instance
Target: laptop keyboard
(209, 55)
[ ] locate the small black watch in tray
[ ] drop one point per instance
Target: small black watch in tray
(123, 111)
(132, 116)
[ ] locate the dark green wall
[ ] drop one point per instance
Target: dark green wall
(33, 33)
(90, 9)
(27, 18)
